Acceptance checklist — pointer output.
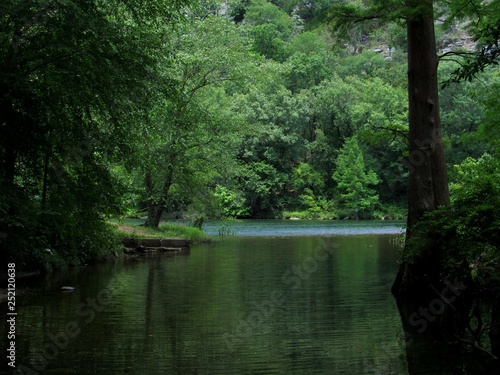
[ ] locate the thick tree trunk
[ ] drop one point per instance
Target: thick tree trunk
(154, 219)
(419, 287)
(428, 183)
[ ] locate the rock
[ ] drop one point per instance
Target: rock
(174, 242)
(67, 288)
(129, 242)
(150, 242)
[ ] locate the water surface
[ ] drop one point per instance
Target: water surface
(244, 305)
(304, 227)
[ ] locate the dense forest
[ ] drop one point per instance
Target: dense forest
(329, 109)
(234, 109)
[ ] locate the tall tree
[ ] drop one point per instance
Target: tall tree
(74, 75)
(188, 133)
(353, 180)
(428, 184)
(421, 271)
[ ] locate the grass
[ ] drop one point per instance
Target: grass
(166, 230)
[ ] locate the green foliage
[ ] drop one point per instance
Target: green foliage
(272, 27)
(489, 130)
(353, 180)
(169, 230)
(308, 185)
(237, 9)
(390, 212)
(306, 177)
(317, 207)
(268, 43)
(483, 23)
(262, 12)
(113, 108)
(262, 184)
(468, 231)
(305, 70)
(463, 111)
(230, 204)
(191, 127)
(74, 80)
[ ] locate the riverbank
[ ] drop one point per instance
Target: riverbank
(164, 231)
(396, 214)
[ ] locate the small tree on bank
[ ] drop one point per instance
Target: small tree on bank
(353, 180)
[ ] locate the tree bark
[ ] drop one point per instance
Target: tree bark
(428, 182)
(148, 181)
(155, 209)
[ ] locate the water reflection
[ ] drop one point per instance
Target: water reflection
(284, 305)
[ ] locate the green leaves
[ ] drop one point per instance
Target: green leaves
(468, 230)
(75, 79)
(353, 180)
(484, 26)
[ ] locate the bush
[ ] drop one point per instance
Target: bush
(469, 230)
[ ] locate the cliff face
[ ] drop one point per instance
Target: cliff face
(445, 44)
(450, 42)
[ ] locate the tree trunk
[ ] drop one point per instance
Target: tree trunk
(154, 219)
(45, 179)
(155, 208)
(428, 183)
(148, 181)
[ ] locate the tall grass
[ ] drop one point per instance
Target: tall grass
(165, 230)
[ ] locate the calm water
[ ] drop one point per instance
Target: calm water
(275, 304)
(304, 227)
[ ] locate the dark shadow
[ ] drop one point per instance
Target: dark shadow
(429, 348)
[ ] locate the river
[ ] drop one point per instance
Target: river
(275, 298)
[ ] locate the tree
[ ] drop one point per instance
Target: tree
(272, 27)
(428, 184)
(74, 78)
(188, 132)
(353, 180)
(423, 269)
(463, 110)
